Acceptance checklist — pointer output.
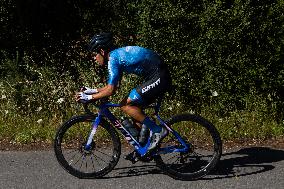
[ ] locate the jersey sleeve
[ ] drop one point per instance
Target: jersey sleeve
(114, 71)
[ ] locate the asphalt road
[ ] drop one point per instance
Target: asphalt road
(252, 167)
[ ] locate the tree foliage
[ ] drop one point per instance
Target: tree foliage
(220, 52)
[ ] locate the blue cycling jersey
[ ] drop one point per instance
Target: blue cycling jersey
(133, 60)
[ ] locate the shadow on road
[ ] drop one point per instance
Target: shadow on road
(247, 161)
(135, 170)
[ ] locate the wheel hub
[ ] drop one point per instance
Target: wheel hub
(87, 151)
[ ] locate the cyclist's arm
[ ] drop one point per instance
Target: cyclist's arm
(103, 88)
(106, 91)
(114, 77)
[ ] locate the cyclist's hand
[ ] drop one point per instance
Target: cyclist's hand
(88, 90)
(82, 96)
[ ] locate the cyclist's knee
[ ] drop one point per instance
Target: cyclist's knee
(126, 108)
(126, 101)
(123, 108)
(124, 104)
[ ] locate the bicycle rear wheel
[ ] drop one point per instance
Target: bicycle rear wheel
(205, 148)
(69, 149)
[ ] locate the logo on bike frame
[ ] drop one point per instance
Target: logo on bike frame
(118, 125)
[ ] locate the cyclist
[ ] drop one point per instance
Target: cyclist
(132, 60)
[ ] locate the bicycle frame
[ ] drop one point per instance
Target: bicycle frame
(142, 150)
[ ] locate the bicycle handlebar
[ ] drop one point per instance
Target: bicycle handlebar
(85, 104)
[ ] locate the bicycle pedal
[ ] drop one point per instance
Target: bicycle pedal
(132, 157)
(153, 151)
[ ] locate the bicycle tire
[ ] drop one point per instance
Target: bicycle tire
(68, 138)
(195, 167)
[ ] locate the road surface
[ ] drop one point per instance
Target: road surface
(251, 167)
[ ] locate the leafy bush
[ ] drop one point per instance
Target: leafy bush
(226, 59)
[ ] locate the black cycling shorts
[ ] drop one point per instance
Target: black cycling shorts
(148, 91)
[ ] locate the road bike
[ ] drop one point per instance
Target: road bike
(89, 145)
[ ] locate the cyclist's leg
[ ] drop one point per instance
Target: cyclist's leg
(143, 95)
(133, 111)
(131, 105)
(136, 112)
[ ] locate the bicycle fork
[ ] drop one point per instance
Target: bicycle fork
(95, 125)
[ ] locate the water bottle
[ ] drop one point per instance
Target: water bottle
(130, 128)
(144, 134)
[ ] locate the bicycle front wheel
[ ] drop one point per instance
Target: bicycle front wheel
(203, 141)
(95, 162)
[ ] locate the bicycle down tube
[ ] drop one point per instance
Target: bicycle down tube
(142, 150)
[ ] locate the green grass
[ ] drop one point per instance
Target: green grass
(255, 122)
(23, 130)
(32, 111)
(237, 125)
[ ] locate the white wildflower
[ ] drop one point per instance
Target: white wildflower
(39, 121)
(6, 111)
(170, 108)
(4, 97)
(60, 100)
(192, 112)
(39, 109)
(214, 93)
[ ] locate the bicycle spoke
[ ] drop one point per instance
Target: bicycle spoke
(83, 156)
(204, 147)
(174, 163)
(96, 159)
(104, 153)
(91, 157)
(72, 159)
(72, 151)
(171, 158)
(100, 158)
(197, 154)
(83, 163)
(77, 160)
(86, 164)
